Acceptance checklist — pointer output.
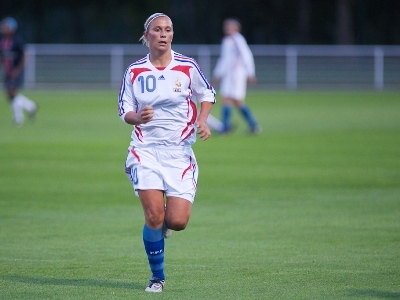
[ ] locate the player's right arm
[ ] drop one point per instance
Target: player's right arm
(128, 106)
(130, 111)
(142, 117)
(224, 61)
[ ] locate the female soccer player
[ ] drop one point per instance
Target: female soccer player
(234, 68)
(158, 96)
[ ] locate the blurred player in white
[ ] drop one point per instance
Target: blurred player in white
(234, 68)
(158, 97)
(13, 60)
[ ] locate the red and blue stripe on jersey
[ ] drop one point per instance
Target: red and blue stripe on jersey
(182, 58)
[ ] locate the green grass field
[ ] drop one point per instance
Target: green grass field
(309, 209)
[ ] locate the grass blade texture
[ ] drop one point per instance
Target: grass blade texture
(308, 209)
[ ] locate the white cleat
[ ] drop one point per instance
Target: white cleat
(166, 232)
(155, 285)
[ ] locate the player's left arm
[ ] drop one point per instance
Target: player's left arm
(201, 123)
(205, 94)
(247, 57)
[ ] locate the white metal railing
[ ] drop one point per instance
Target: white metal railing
(290, 67)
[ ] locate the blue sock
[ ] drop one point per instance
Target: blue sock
(245, 110)
(226, 117)
(153, 240)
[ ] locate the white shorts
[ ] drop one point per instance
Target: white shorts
(234, 85)
(170, 169)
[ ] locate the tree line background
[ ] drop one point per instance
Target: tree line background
(361, 22)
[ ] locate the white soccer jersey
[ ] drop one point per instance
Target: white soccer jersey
(172, 92)
(235, 56)
(234, 66)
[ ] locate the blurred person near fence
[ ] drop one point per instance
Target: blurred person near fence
(234, 68)
(13, 61)
(158, 97)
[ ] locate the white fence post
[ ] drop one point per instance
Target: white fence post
(291, 68)
(378, 68)
(30, 67)
(117, 66)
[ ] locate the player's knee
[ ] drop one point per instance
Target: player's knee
(177, 225)
(154, 220)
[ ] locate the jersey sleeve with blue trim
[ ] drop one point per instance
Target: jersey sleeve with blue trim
(173, 93)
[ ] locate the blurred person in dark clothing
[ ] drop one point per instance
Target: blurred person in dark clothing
(12, 55)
